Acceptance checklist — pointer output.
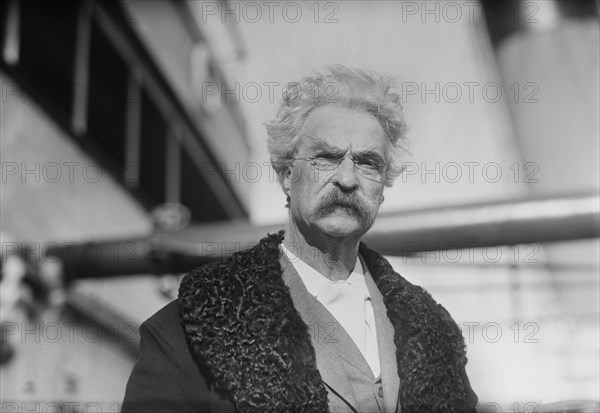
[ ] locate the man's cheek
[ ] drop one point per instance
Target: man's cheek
(373, 209)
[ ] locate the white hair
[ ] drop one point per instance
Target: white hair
(339, 85)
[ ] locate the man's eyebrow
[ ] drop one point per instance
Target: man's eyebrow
(319, 144)
(371, 153)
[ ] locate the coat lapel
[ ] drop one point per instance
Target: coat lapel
(325, 333)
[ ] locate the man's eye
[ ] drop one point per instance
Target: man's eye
(372, 165)
(367, 162)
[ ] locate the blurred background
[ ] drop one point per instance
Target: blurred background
(133, 149)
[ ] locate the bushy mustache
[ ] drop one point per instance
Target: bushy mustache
(336, 199)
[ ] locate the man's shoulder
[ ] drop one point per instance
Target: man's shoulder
(168, 315)
(163, 333)
(200, 280)
(254, 259)
(165, 325)
(402, 293)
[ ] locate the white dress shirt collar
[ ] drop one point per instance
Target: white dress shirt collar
(314, 280)
(349, 301)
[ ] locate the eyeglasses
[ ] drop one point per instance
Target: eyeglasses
(366, 166)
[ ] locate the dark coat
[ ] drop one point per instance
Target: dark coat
(238, 344)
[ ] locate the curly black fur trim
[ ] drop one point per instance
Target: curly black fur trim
(430, 349)
(240, 322)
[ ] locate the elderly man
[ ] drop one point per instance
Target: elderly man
(310, 320)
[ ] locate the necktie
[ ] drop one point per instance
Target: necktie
(371, 350)
(347, 303)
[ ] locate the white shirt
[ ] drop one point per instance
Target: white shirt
(348, 301)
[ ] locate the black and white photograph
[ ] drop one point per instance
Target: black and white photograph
(350, 206)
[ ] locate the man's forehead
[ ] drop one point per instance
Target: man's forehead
(339, 126)
(342, 128)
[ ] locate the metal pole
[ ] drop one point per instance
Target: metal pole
(404, 233)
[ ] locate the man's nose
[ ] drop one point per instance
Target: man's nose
(345, 176)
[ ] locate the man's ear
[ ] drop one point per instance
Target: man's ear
(286, 181)
(286, 185)
(381, 200)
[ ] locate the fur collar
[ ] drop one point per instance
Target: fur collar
(240, 322)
